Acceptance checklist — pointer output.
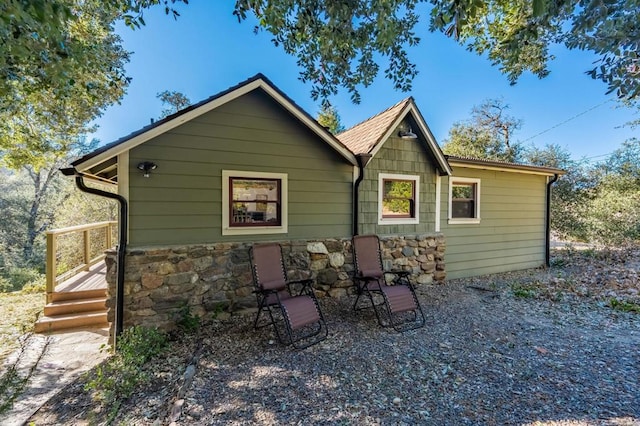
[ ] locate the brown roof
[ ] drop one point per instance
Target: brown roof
(364, 136)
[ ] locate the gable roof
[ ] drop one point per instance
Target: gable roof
(479, 163)
(369, 135)
(105, 154)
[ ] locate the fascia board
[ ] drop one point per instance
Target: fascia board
(511, 169)
(311, 124)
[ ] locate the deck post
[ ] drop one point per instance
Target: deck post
(108, 230)
(52, 248)
(87, 249)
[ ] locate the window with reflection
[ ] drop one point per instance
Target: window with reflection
(398, 198)
(255, 202)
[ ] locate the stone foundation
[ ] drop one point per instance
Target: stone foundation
(216, 278)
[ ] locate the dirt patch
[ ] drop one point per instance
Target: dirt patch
(517, 348)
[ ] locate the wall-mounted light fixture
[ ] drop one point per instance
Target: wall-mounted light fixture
(407, 134)
(146, 167)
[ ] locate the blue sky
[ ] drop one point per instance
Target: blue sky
(206, 51)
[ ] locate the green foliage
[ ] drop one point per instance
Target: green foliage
(524, 291)
(337, 44)
(172, 102)
(187, 321)
(340, 44)
(21, 278)
(62, 64)
(343, 44)
(6, 286)
(328, 117)
(614, 215)
(621, 305)
(116, 379)
(488, 134)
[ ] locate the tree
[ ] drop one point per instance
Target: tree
(172, 102)
(571, 195)
(488, 134)
(344, 44)
(598, 203)
(46, 105)
(51, 45)
(622, 166)
(328, 117)
(339, 44)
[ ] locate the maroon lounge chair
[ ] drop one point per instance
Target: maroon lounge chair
(291, 306)
(396, 300)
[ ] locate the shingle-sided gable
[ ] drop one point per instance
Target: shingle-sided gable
(369, 136)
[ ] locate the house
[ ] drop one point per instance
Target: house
(197, 188)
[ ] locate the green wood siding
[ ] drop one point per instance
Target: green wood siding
(511, 233)
(398, 156)
(181, 202)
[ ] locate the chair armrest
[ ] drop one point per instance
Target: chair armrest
(401, 277)
(305, 289)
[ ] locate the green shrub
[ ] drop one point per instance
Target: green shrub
(20, 277)
(523, 291)
(116, 379)
(621, 305)
(37, 286)
(5, 285)
(187, 321)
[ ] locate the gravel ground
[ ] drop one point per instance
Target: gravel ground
(529, 348)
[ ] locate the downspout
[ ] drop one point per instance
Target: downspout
(547, 255)
(122, 241)
(362, 159)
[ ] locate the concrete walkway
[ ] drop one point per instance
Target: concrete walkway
(56, 360)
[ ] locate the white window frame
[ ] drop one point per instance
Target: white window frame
(462, 220)
(255, 230)
(398, 221)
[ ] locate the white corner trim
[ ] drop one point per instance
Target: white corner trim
(459, 220)
(398, 221)
(438, 200)
(284, 209)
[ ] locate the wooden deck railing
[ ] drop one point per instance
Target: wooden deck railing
(85, 246)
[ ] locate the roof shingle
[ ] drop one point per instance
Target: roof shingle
(364, 136)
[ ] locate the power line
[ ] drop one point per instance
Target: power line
(567, 120)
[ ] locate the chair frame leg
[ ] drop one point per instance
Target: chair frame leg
(418, 320)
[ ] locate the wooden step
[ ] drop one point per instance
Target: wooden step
(78, 295)
(64, 322)
(64, 307)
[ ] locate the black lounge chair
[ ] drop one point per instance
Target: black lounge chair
(395, 302)
(290, 306)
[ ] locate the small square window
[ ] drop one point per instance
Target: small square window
(398, 199)
(464, 200)
(254, 203)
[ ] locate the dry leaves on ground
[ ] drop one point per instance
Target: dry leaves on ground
(516, 348)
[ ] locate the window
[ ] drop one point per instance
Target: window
(253, 203)
(464, 200)
(398, 201)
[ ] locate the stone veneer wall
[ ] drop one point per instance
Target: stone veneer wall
(160, 282)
